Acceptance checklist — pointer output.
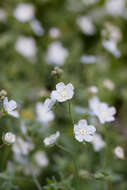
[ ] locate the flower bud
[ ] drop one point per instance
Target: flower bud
(9, 138)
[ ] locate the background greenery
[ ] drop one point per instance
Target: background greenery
(28, 82)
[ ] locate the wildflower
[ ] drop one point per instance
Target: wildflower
(36, 27)
(43, 113)
(119, 152)
(51, 139)
(9, 138)
(24, 12)
(41, 158)
(54, 32)
(93, 89)
(115, 7)
(98, 142)
(83, 131)
(94, 104)
(26, 46)
(86, 25)
(105, 113)
(56, 53)
(49, 102)
(10, 106)
(108, 84)
(63, 92)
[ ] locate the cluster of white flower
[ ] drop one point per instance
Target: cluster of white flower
(102, 110)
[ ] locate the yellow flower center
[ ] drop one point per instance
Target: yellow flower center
(64, 94)
(82, 132)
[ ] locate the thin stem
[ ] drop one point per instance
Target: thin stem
(70, 114)
(36, 182)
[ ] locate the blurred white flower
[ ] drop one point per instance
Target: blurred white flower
(56, 53)
(26, 46)
(41, 158)
(9, 138)
(51, 139)
(111, 46)
(115, 7)
(83, 131)
(49, 102)
(98, 142)
(43, 114)
(108, 84)
(105, 113)
(63, 92)
(22, 147)
(93, 89)
(3, 15)
(10, 106)
(88, 59)
(94, 104)
(36, 27)
(86, 25)
(80, 110)
(54, 32)
(24, 12)
(119, 152)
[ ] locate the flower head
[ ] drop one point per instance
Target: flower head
(83, 131)
(9, 138)
(10, 106)
(41, 158)
(51, 139)
(49, 102)
(94, 104)
(105, 113)
(119, 152)
(63, 92)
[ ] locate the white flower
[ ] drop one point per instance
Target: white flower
(10, 106)
(111, 46)
(63, 92)
(94, 104)
(54, 32)
(119, 152)
(51, 139)
(24, 12)
(93, 89)
(86, 25)
(22, 147)
(83, 131)
(36, 27)
(115, 7)
(56, 53)
(41, 158)
(88, 59)
(9, 138)
(98, 142)
(49, 102)
(105, 113)
(43, 114)
(108, 84)
(26, 46)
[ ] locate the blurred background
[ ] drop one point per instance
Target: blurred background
(43, 42)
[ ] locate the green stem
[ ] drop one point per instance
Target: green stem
(36, 182)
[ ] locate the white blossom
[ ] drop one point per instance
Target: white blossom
(105, 113)
(10, 106)
(36, 27)
(98, 143)
(111, 46)
(9, 138)
(54, 32)
(63, 92)
(86, 25)
(24, 12)
(108, 84)
(41, 159)
(49, 102)
(51, 139)
(88, 59)
(26, 46)
(93, 89)
(83, 131)
(56, 53)
(94, 104)
(119, 152)
(43, 114)
(115, 7)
